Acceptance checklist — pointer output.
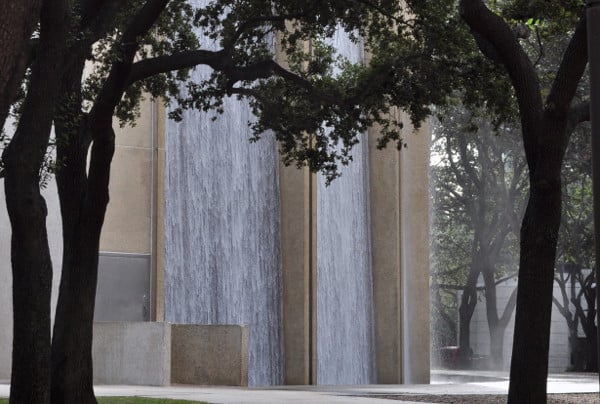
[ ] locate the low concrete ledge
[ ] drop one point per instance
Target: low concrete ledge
(209, 354)
(132, 353)
(158, 354)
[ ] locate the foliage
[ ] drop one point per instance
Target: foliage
(320, 103)
(576, 239)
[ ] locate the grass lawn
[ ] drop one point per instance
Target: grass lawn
(132, 400)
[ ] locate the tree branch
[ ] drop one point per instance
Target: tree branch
(570, 71)
(498, 34)
(220, 61)
(162, 64)
(141, 23)
(116, 82)
(98, 17)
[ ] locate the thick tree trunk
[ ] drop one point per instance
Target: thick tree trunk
(71, 358)
(539, 235)
(30, 254)
(32, 284)
(72, 375)
(17, 20)
(87, 198)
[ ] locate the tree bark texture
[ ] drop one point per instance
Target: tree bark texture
(545, 136)
(72, 369)
(84, 197)
(30, 254)
(539, 235)
(17, 21)
(72, 338)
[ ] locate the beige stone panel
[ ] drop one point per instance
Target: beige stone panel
(160, 238)
(140, 134)
(384, 172)
(128, 218)
(296, 263)
(297, 189)
(161, 123)
(209, 354)
(415, 253)
(310, 180)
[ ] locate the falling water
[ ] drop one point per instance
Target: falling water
(222, 229)
(345, 340)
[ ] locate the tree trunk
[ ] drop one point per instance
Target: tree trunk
(497, 346)
(87, 198)
(495, 329)
(496, 324)
(539, 235)
(468, 302)
(17, 19)
(72, 371)
(30, 254)
(32, 283)
(591, 363)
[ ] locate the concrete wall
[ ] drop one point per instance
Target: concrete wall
(158, 354)
(209, 354)
(128, 245)
(132, 353)
(128, 220)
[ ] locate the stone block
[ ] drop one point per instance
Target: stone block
(209, 354)
(132, 353)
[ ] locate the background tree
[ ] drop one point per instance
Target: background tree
(576, 255)
(479, 185)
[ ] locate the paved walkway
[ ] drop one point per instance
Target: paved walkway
(443, 382)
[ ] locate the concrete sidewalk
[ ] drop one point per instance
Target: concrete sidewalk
(443, 382)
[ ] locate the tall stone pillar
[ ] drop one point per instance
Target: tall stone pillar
(298, 258)
(158, 239)
(386, 239)
(414, 211)
(400, 231)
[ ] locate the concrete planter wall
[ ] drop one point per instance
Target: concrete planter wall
(158, 354)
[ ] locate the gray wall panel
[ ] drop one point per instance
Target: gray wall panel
(123, 292)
